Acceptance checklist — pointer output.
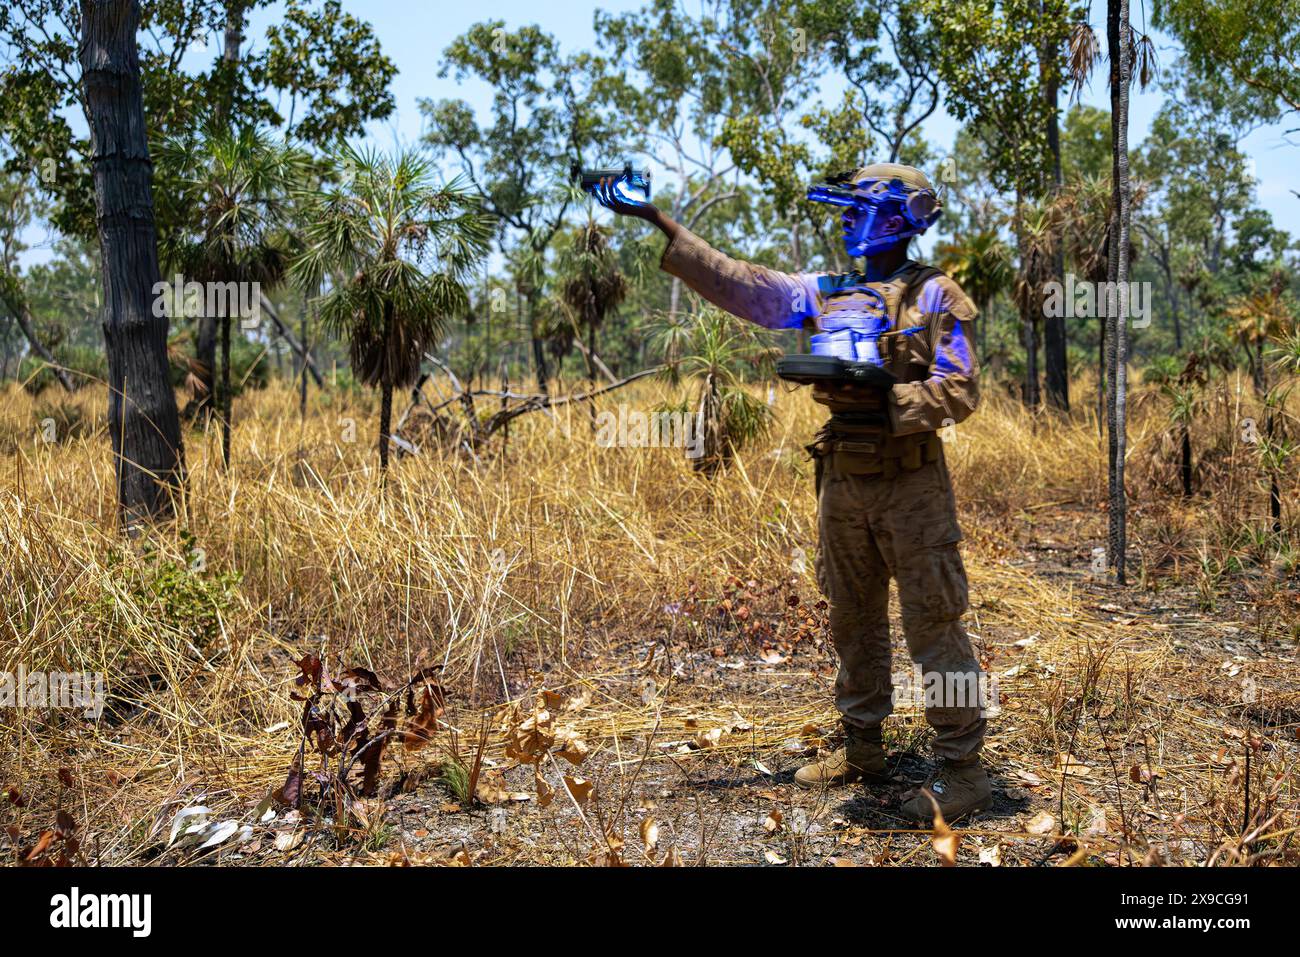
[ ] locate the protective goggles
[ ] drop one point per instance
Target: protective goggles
(920, 207)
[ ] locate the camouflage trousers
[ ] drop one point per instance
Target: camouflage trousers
(873, 528)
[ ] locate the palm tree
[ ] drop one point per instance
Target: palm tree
(981, 264)
(235, 185)
(591, 284)
(718, 352)
(376, 232)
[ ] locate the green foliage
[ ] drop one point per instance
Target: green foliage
(1085, 143)
(454, 776)
(180, 596)
(998, 78)
(88, 364)
(325, 64)
(1256, 42)
(376, 232)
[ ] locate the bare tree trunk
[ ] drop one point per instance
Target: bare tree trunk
(227, 403)
(306, 356)
(1102, 391)
(143, 423)
(285, 333)
(205, 343)
(1118, 272)
(1055, 358)
(386, 398)
(205, 351)
(385, 422)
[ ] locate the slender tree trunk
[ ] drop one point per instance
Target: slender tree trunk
(385, 422)
(306, 355)
(386, 398)
(1025, 309)
(143, 424)
(1187, 461)
(205, 351)
(1118, 273)
(205, 343)
(227, 403)
(1055, 356)
(231, 42)
(1102, 391)
(286, 333)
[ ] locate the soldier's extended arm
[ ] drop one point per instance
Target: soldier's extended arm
(765, 296)
(951, 391)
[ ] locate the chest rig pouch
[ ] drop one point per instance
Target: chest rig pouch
(856, 439)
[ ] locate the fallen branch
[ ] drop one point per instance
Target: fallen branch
(513, 405)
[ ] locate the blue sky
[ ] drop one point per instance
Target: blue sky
(415, 32)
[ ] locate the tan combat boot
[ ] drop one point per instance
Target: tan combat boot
(861, 759)
(959, 788)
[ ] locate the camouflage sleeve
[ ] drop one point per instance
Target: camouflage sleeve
(764, 296)
(951, 391)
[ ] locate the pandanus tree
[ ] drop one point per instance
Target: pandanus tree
(1267, 326)
(718, 352)
(591, 284)
(981, 264)
(238, 184)
(399, 249)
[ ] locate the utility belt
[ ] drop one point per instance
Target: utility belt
(859, 443)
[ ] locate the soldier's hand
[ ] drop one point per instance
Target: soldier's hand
(617, 195)
(848, 393)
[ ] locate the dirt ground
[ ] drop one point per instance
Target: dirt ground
(1156, 723)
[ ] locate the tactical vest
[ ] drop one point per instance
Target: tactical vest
(856, 439)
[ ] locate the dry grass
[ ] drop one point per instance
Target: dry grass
(550, 565)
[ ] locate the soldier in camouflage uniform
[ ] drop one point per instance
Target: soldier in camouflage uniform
(885, 501)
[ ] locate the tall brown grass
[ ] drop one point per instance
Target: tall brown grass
(542, 555)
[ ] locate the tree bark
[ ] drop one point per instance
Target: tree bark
(143, 422)
(1117, 30)
(205, 351)
(227, 403)
(386, 397)
(1055, 340)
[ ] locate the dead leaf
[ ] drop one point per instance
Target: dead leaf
(1041, 823)
(1069, 764)
(773, 821)
(943, 839)
(580, 788)
(545, 793)
(575, 749)
(708, 739)
(773, 857)
(649, 834)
